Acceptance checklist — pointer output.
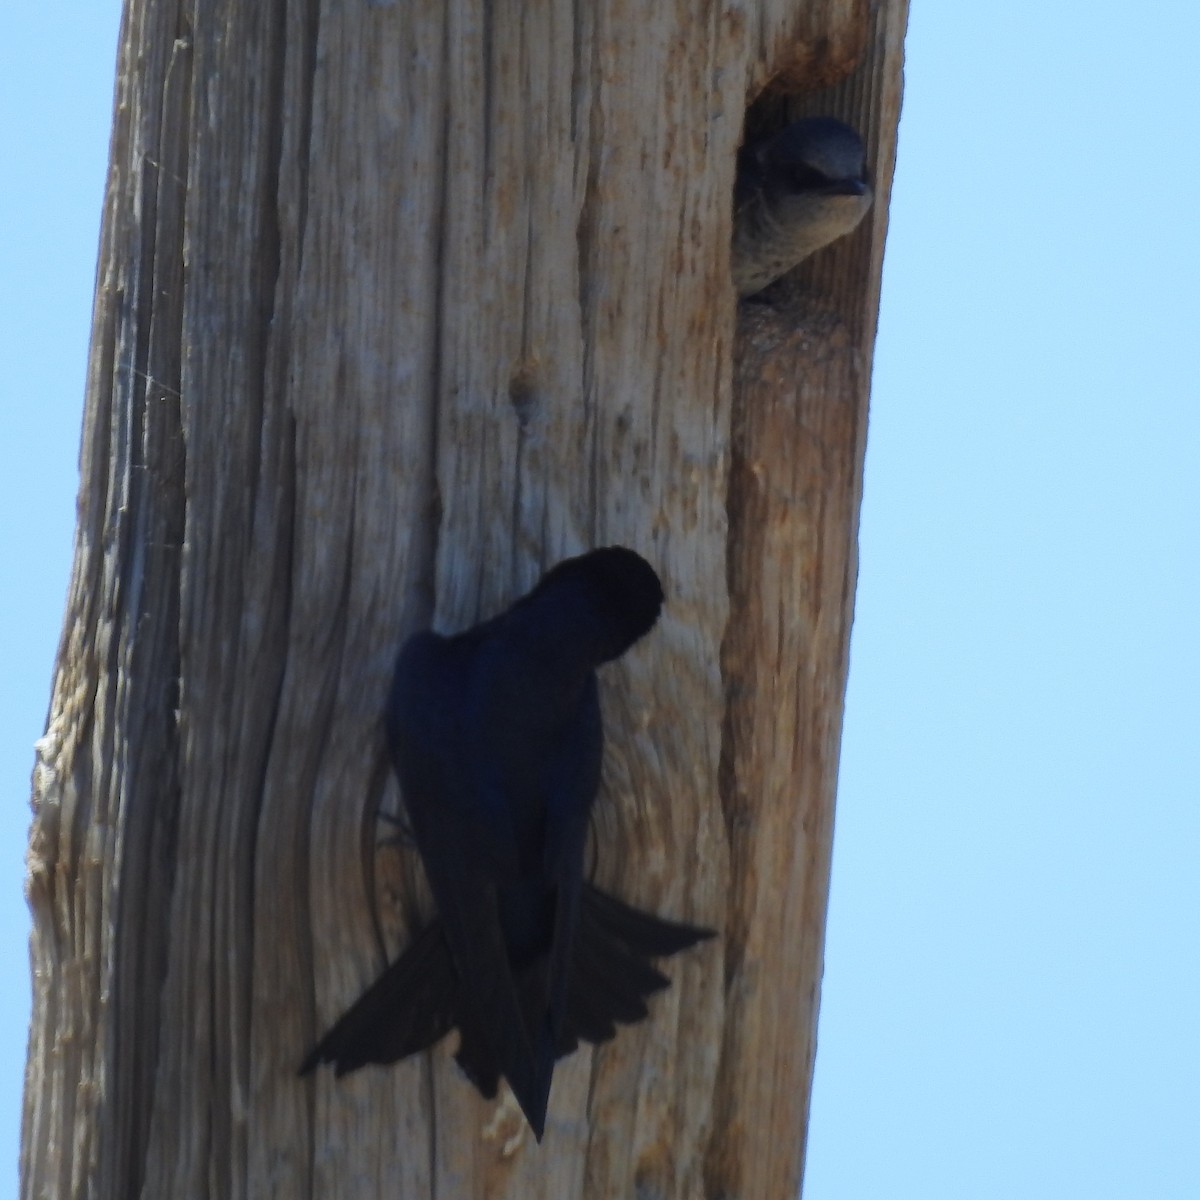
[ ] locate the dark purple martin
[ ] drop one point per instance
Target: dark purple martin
(496, 738)
(797, 190)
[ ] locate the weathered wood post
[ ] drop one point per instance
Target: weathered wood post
(397, 304)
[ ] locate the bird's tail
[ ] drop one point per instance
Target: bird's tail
(419, 998)
(415, 1002)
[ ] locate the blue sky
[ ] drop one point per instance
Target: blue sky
(1012, 989)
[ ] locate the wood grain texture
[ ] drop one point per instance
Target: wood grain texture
(398, 304)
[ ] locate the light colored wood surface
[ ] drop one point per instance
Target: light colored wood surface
(396, 305)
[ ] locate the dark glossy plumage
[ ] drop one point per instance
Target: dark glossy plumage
(496, 737)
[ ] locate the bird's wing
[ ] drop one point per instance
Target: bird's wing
(408, 1008)
(456, 828)
(573, 780)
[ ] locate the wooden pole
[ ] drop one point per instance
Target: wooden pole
(398, 304)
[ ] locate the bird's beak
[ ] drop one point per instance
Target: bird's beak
(848, 187)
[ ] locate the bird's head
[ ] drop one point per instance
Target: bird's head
(814, 174)
(797, 190)
(612, 596)
(815, 154)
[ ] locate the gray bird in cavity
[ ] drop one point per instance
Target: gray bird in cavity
(495, 734)
(797, 190)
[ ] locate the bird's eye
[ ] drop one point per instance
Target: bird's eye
(805, 178)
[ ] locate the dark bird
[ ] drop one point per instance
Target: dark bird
(796, 191)
(496, 738)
